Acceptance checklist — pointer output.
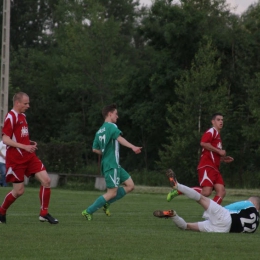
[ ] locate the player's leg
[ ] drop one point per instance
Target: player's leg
(35, 167)
(190, 193)
(10, 198)
(174, 193)
(16, 176)
(126, 180)
(206, 191)
(112, 182)
(178, 221)
(128, 186)
(219, 187)
(209, 178)
(44, 196)
(100, 202)
(121, 192)
(220, 219)
(45, 191)
(193, 226)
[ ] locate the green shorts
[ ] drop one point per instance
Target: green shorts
(114, 177)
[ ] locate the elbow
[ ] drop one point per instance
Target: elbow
(203, 145)
(4, 139)
(96, 151)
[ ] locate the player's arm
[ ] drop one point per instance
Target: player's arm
(97, 151)
(209, 147)
(125, 143)
(96, 146)
(227, 159)
(8, 141)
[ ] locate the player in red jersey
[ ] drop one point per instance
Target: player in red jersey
(211, 156)
(21, 159)
(208, 168)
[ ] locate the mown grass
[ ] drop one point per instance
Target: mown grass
(130, 233)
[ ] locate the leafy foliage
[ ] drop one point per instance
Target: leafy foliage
(200, 93)
(168, 67)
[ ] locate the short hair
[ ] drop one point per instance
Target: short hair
(110, 108)
(18, 96)
(213, 117)
(257, 201)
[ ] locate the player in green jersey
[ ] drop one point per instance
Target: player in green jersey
(106, 143)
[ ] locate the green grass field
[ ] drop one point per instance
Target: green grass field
(130, 233)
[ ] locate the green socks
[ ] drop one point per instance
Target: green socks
(99, 203)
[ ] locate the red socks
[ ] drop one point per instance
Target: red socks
(8, 201)
(217, 199)
(45, 194)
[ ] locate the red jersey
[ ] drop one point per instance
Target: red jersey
(16, 127)
(210, 158)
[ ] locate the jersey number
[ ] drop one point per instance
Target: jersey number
(249, 222)
(102, 140)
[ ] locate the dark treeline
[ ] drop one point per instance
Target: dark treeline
(167, 67)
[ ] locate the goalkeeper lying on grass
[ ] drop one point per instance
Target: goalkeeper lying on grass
(241, 216)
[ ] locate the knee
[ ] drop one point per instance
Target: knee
(18, 192)
(132, 187)
(206, 193)
(129, 188)
(110, 195)
(222, 193)
(113, 195)
(46, 182)
(43, 178)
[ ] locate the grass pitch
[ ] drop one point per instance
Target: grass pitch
(132, 232)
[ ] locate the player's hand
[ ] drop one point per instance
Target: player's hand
(30, 148)
(33, 143)
(222, 152)
(228, 159)
(137, 149)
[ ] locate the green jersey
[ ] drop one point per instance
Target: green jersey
(106, 141)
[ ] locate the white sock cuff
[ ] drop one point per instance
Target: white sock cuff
(190, 193)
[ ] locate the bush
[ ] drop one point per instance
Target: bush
(62, 157)
(149, 178)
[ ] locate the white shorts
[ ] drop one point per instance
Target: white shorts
(219, 219)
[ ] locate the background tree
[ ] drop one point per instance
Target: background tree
(73, 57)
(171, 35)
(200, 93)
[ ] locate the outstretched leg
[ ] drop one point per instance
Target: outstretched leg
(174, 193)
(189, 192)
